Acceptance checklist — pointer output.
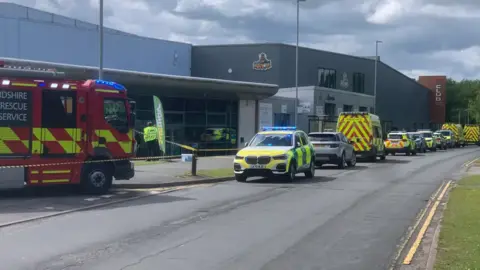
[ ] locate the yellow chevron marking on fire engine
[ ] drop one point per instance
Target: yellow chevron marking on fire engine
(126, 146)
(4, 149)
(107, 134)
(36, 147)
(106, 91)
(57, 172)
(75, 133)
(7, 134)
(56, 181)
(24, 84)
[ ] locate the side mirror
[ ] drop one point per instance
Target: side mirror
(297, 144)
(246, 144)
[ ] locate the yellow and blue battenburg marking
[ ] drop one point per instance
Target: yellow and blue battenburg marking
(279, 128)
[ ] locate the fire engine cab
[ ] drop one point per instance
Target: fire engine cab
(58, 131)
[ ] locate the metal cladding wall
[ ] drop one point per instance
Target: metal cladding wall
(32, 34)
(437, 96)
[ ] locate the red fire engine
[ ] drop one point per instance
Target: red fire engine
(57, 131)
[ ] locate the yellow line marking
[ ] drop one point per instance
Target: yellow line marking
(415, 226)
(469, 163)
(423, 230)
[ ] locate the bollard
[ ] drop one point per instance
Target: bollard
(194, 163)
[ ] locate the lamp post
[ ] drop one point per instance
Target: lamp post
(296, 61)
(375, 80)
(100, 43)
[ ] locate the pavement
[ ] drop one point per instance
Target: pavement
(341, 219)
(167, 174)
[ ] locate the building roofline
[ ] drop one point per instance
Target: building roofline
(96, 26)
(284, 45)
(147, 74)
(405, 76)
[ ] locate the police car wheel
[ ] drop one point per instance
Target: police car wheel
(311, 171)
(292, 171)
(96, 178)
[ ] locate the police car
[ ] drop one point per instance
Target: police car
(276, 152)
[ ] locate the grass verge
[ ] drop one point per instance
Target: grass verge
(458, 246)
(213, 173)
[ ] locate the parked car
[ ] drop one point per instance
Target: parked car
(441, 141)
(332, 148)
(419, 141)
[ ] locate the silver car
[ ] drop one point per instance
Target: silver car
(332, 148)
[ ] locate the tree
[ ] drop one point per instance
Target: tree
(463, 99)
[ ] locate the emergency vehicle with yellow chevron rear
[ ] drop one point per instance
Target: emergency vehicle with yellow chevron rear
(457, 130)
(472, 134)
(364, 131)
(56, 131)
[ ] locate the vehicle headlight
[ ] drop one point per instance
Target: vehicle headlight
(280, 157)
(239, 157)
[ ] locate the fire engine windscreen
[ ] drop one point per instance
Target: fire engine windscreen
(15, 108)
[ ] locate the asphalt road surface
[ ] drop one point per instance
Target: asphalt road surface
(350, 219)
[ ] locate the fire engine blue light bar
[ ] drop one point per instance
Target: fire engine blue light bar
(112, 84)
(278, 128)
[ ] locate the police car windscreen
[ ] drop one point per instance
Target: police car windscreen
(395, 136)
(272, 140)
(322, 137)
(427, 135)
(445, 132)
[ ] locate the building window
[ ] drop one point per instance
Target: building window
(362, 109)
(281, 119)
(330, 109)
(359, 82)
(327, 78)
(348, 108)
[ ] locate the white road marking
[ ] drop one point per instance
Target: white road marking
(91, 199)
(121, 192)
(107, 196)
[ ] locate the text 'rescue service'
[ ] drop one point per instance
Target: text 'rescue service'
(14, 108)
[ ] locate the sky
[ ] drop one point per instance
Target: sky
(419, 37)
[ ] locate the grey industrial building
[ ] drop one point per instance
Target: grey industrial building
(328, 82)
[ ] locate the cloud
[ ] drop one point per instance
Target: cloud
(419, 36)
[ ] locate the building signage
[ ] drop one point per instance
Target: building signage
(344, 81)
(438, 94)
(15, 108)
(263, 63)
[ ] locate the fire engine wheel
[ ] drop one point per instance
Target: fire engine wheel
(96, 178)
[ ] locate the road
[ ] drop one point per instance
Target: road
(350, 219)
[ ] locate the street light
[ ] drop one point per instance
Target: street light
(296, 61)
(375, 80)
(100, 43)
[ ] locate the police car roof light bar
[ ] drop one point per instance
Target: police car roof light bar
(279, 128)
